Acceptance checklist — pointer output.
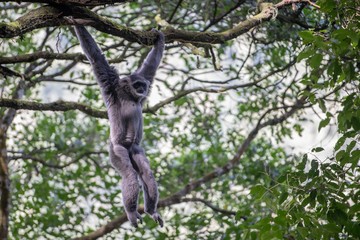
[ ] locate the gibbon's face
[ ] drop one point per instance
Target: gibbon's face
(137, 86)
(140, 86)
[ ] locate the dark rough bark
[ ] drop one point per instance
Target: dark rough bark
(4, 188)
(42, 55)
(51, 16)
(54, 106)
(5, 122)
(75, 2)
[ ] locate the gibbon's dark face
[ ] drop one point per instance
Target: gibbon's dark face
(139, 86)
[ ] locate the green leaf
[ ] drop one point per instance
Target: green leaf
(304, 232)
(313, 195)
(334, 70)
(318, 149)
(258, 191)
(321, 199)
(350, 146)
(239, 215)
(323, 123)
(306, 53)
(314, 168)
(355, 155)
(340, 143)
(283, 197)
(282, 178)
(337, 216)
(322, 105)
(340, 155)
(315, 60)
(307, 36)
(342, 34)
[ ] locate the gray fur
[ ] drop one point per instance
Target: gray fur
(124, 101)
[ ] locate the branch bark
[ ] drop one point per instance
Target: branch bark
(52, 16)
(4, 187)
(31, 57)
(54, 106)
(50, 165)
(91, 3)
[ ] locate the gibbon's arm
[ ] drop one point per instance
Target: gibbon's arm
(105, 74)
(153, 59)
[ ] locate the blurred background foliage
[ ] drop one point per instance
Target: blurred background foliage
(286, 185)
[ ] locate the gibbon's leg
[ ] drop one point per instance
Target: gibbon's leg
(149, 184)
(120, 159)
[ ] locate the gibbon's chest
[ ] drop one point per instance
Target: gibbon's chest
(125, 110)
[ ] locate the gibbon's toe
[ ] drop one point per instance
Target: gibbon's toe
(158, 219)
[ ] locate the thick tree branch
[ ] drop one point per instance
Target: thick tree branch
(6, 72)
(56, 166)
(75, 2)
(31, 57)
(54, 106)
(4, 187)
(50, 16)
(64, 106)
(7, 119)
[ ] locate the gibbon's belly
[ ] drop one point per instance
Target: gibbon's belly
(130, 112)
(125, 122)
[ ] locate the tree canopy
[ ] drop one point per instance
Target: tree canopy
(252, 126)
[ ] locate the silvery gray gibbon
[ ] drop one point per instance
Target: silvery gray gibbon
(124, 100)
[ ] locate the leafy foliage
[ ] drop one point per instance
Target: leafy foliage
(306, 61)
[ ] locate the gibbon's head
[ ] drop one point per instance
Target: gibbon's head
(136, 87)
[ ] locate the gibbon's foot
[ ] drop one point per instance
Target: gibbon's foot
(158, 219)
(134, 217)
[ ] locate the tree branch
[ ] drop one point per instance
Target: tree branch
(31, 57)
(47, 164)
(91, 3)
(54, 106)
(4, 187)
(6, 72)
(51, 16)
